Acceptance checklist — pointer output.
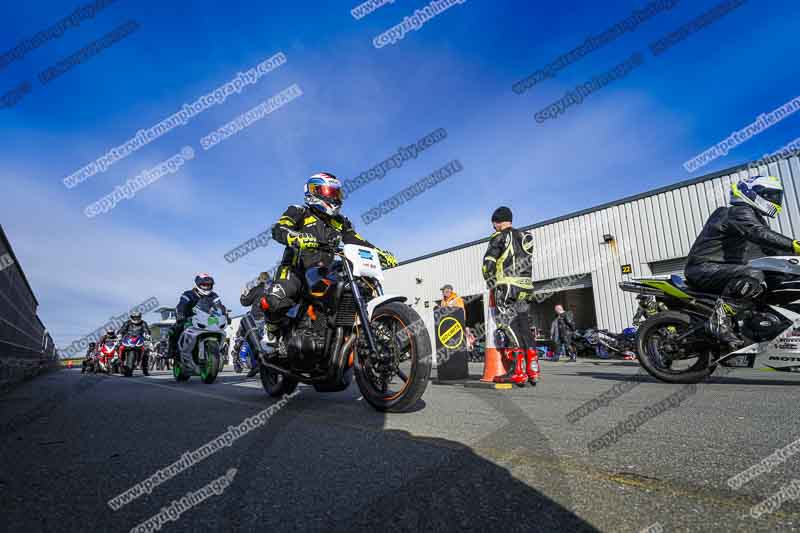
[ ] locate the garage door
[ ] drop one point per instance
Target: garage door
(579, 281)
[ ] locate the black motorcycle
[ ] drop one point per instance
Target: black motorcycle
(675, 345)
(343, 326)
(585, 342)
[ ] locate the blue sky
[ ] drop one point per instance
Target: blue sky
(359, 104)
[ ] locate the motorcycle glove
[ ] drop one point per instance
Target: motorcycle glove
(302, 241)
(387, 259)
(796, 246)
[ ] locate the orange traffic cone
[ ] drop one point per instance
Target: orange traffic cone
(492, 365)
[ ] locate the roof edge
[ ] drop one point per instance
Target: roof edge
(625, 200)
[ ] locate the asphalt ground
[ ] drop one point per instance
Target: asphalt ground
(465, 460)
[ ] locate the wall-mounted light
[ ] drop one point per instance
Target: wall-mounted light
(607, 238)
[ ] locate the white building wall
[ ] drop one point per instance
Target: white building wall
(653, 228)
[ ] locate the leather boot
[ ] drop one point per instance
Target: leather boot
(532, 365)
(720, 324)
(516, 373)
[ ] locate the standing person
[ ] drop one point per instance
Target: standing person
(451, 299)
(507, 270)
(254, 319)
(565, 327)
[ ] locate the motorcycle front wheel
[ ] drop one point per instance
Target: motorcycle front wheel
(276, 384)
(396, 378)
(178, 373)
(130, 363)
(209, 371)
(668, 357)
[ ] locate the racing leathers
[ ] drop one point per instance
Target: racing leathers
(107, 337)
(252, 323)
(717, 261)
(300, 228)
(137, 330)
(183, 312)
(134, 329)
(507, 268)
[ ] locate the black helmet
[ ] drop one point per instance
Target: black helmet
(204, 284)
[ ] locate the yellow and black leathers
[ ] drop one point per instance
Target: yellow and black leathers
(301, 228)
(508, 261)
(507, 269)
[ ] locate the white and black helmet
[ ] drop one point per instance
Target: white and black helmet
(764, 193)
(204, 284)
(323, 191)
(136, 317)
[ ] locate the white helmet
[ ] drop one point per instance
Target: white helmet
(323, 191)
(764, 193)
(204, 284)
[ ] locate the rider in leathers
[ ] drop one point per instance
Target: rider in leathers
(507, 267)
(732, 236)
(136, 327)
(302, 229)
(203, 287)
(253, 319)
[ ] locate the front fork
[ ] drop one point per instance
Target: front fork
(362, 311)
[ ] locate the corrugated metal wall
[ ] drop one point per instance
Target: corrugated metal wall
(652, 228)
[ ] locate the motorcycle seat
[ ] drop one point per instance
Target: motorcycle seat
(681, 284)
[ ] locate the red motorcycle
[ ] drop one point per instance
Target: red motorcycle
(107, 356)
(133, 354)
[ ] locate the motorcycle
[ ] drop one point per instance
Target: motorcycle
(345, 326)
(200, 344)
(88, 364)
(586, 342)
(623, 343)
(675, 346)
(133, 354)
(245, 359)
(106, 357)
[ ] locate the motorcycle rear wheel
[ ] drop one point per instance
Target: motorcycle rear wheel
(655, 350)
(415, 350)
